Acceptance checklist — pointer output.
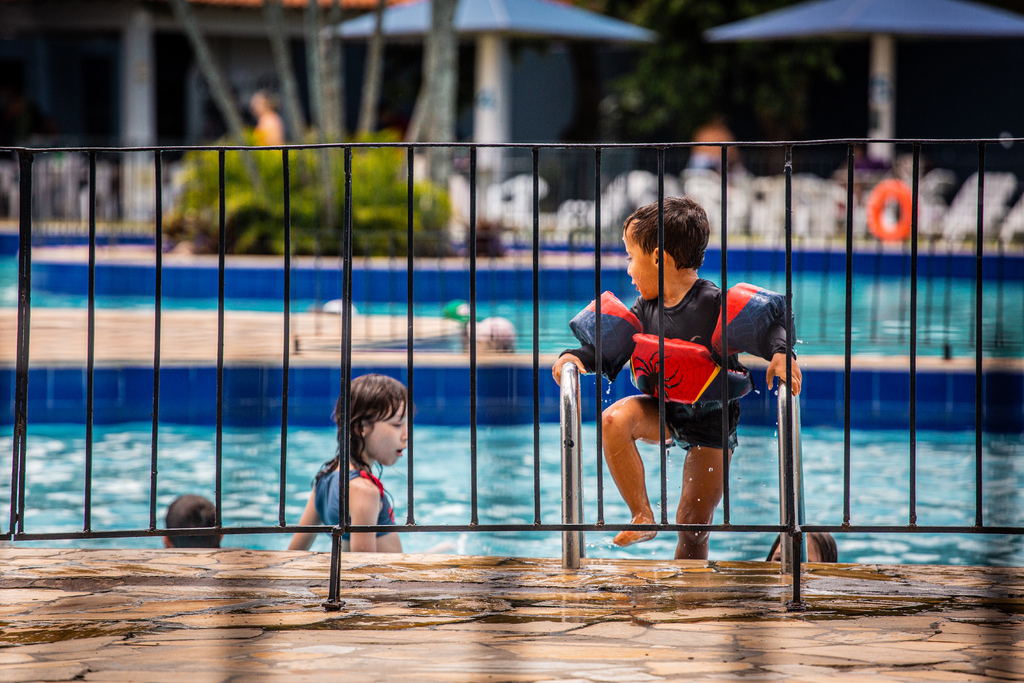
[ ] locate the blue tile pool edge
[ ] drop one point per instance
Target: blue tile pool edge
(252, 396)
(496, 280)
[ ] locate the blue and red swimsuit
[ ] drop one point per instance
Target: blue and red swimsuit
(326, 499)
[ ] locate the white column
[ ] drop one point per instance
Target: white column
(138, 81)
(492, 113)
(138, 115)
(882, 97)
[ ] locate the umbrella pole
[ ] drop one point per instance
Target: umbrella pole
(882, 97)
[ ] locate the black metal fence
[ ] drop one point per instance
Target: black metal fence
(789, 525)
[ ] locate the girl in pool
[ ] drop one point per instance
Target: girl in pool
(378, 432)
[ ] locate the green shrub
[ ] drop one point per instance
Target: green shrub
(254, 215)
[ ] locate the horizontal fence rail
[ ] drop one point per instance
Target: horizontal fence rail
(988, 334)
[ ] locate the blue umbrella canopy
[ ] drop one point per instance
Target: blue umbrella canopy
(882, 21)
(858, 18)
(528, 18)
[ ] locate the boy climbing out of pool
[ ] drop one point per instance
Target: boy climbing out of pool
(692, 309)
(378, 432)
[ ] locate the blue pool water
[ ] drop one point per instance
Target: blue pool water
(880, 315)
(880, 487)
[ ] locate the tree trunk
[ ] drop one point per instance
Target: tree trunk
(315, 78)
(313, 61)
(218, 86)
(334, 78)
(274, 16)
(436, 106)
(373, 75)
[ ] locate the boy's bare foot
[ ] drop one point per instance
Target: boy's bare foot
(626, 538)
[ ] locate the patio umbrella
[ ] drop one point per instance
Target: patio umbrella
(492, 23)
(881, 21)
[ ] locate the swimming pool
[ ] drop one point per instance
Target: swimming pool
(880, 316)
(880, 475)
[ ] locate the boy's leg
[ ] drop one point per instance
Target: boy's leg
(702, 491)
(622, 424)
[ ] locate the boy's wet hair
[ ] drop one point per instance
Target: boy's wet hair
(374, 398)
(190, 511)
(686, 230)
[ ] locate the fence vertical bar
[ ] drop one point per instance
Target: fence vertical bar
(599, 383)
(913, 332)
(536, 336)
(472, 336)
(221, 253)
(348, 259)
(157, 320)
(344, 416)
(572, 479)
(19, 451)
(663, 448)
(725, 336)
(847, 365)
(793, 523)
(287, 336)
(410, 337)
(90, 354)
(979, 514)
(333, 602)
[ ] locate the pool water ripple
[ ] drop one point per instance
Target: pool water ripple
(880, 476)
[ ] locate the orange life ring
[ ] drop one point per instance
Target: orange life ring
(883, 194)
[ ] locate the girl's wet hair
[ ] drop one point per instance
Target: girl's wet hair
(374, 398)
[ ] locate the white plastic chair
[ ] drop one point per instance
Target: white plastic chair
(962, 218)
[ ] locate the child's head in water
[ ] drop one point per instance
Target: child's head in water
(191, 512)
(821, 547)
(378, 423)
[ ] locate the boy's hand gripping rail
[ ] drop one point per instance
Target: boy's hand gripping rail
(572, 484)
(791, 486)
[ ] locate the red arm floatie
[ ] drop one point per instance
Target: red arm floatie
(753, 311)
(618, 325)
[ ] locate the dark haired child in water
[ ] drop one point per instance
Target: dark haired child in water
(191, 512)
(821, 547)
(692, 307)
(378, 432)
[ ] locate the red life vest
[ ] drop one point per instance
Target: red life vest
(690, 373)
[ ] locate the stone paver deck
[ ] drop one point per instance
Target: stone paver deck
(244, 615)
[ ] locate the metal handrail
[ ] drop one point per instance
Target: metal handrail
(572, 480)
(791, 488)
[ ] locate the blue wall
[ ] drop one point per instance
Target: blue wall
(496, 281)
(252, 396)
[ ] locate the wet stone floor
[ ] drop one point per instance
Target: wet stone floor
(190, 616)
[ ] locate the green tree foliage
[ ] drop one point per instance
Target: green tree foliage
(254, 221)
(682, 81)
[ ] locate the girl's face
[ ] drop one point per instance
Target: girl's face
(642, 267)
(384, 441)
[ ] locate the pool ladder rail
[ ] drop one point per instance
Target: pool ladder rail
(791, 513)
(570, 421)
